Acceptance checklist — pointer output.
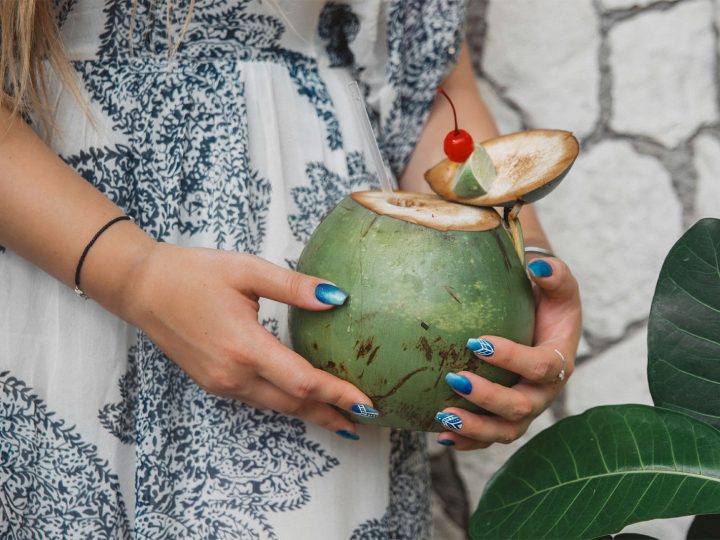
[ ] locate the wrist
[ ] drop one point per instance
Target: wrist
(113, 266)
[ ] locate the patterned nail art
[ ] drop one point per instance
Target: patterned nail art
(459, 383)
(540, 268)
(481, 346)
(449, 420)
(330, 294)
(445, 442)
(345, 434)
(364, 410)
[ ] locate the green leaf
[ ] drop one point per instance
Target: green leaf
(684, 327)
(593, 474)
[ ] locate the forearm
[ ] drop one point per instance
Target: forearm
(473, 116)
(48, 214)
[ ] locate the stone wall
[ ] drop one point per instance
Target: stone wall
(637, 82)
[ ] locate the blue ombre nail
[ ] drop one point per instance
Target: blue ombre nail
(445, 442)
(480, 346)
(449, 420)
(459, 383)
(365, 411)
(330, 294)
(349, 435)
(540, 268)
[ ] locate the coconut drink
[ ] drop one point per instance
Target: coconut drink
(426, 272)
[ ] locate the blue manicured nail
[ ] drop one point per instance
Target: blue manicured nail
(449, 420)
(481, 346)
(459, 383)
(365, 411)
(540, 268)
(445, 442)
(345, 434)
(330, 294)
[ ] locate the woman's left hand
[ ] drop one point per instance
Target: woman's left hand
(544, 368)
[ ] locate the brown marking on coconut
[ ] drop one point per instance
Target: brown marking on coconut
(450, 360)
(372, 355)
(410, 412)
(331, 365)
(363, 347)
(424, 345)
(397, 386)
(501, 246)
(367, 228)
(452, 293)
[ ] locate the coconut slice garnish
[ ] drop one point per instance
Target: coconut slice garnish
(529, 165)
(428, 210)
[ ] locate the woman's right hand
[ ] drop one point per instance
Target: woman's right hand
(200, 306)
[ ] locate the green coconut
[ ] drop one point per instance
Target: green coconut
(423, 275)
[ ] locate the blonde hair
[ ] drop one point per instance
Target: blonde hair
(30, 43)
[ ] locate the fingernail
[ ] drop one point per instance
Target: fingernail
(364, 410)
(449, 420)
(330, 294)
(540, 268)
(481, 346)
(459, 383)
(445, 442)
(345, 434)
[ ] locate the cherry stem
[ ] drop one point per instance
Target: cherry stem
(441, 91)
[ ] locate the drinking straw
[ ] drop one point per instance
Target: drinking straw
(364, 120)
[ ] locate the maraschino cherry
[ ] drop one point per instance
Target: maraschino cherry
(458, 143)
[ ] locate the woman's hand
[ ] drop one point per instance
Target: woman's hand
(557, 328)
(200, 306)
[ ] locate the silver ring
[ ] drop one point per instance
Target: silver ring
(561, 375)
(539, 250)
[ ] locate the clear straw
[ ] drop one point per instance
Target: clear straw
(364, 120)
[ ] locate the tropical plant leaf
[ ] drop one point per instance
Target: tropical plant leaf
(593, 474)
(684, 327)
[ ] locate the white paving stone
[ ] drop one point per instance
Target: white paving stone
(627, 4)
(619, 375)
(663, 84)
(707, 163)
(506, 119)
(613, 219)
(545, 54)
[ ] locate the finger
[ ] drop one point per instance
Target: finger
(509, 403)
(540, 364)
(553, 277)
(456, 441)
(481, 428)
(292, 373)
(264, 279)
(265, 395)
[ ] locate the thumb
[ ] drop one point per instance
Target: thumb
(554, 278)
(261, 278)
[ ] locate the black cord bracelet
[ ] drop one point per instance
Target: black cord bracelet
(109, 224)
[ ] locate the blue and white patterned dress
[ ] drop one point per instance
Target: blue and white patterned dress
(243, 141)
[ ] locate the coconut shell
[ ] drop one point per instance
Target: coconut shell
(416, 295)
(529, 164)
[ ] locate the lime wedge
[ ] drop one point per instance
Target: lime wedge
(476, 175)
